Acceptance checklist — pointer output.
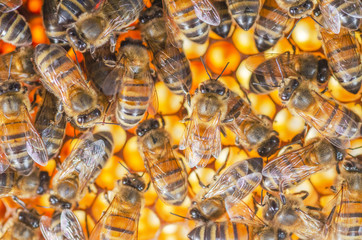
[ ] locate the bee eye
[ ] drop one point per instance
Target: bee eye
(221, 91)
(281, 235)
(155, 125)
(202, 89)
(139, 132)
(295, 84)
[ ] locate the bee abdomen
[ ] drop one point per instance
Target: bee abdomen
(14, 29)
(223, 29)
(7, 182)
(347, 11)
(55, 32)
(244, 12)
(219, 231)
(116, 226)
(347, 224)
(70, 10)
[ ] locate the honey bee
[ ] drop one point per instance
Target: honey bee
(171, 63)
(167, 172)
(293, 167)
(20, 142)
(14, 28)
(344, 57)
(192, 17)
(62, 77)
(232, 186)
(269, 74)
(120, 221)
(95, 28)
(344, 210)
(54, 31)
(270, 25)
(244, 12)
(136, 92)
(252, 132)
(225, 26)
(333, 121)
(81, 168)
(50, 122)
(298, 8)
(68, 11)
(13, 184)
(63, 225)
(22, 68)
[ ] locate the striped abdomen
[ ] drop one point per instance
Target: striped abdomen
(55, 32)
(174, 68)
(220, 231)
(223, 29)
(14, 145)
(244, 12)
(14, 29)
(7, 182)
(133, 100)
(348, 222)
(270, 25)
(70, 10)
(344, 59)
(191, 26)
(129, 14)
(50, 123)
(347, 10)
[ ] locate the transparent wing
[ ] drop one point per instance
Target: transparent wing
(112, 81)
(206, 12)
(289, 168)
(246, 185)
(331, 17)
(128, 226)
(4, 163)
(153, 102)
(310, 225)
(174, 35)
(46, 229)
(10, 5)
(354, 9)
(241, 212)
(70, 226)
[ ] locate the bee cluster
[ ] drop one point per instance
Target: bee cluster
(118, 74)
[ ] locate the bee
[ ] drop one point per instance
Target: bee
(20, 142)
(14, 27)
(80, 168)
(296, 165)
(232, 186)
(63, 225)
(68, 11)
(171, 63)
(95, 28)
(298, 8)
(22, 68)
(192, 17)
(120, 221)
(63, 78)
(293, 216)
(244, 12)
(54, 31)
(269, 74)
(202, 140)
(270, 25)
(333, 121)
(50, 122)
(344, 57)
(136, 92)
(225, 26)
(252, 132)
(167, 172)
(344, 210)
(13, 184)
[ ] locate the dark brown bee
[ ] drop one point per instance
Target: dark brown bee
(68, 11)
(225, 26)
(298, 8)
(244, 12)
(10, 5)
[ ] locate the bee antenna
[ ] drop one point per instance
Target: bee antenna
(203, 63)
(11, 61)
(316, 21)
(293, 28)
(280, 70)
(179, 216)
(125, 168)
(222, 71)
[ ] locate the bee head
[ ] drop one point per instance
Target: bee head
(10, 86)
(55, 201)
(301, 10)
(28, 219)
(273, 234)
(323, 72)
(196, 214)
(87, 120)
(271, 208)
(151, 13)
(135, 181)
(76, 40)
(287, 88)
(269, 146)
(147, 126)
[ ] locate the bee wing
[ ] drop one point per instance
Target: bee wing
(174, 35)
(206, 12)
(153, 102)
(112, 81)
(10, 5)
(241, 212)
(331, 17)
(289, 167)
(356, 5)
(310, 225)
(70, 226)
(104, 230)
(46, 230)
(4, 163)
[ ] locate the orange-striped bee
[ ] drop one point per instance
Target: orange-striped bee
(167, 172)
(62, 225)
(244, 13)
(344, 58)
(120, 221)
(20, 142)
(171, 63)
(62, 77)
(270, 25)
(232, 186)
(333, 121)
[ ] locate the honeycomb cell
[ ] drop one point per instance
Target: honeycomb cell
(174, 232)
(322, 181)
(206, 176)
(67, 148)
(87, 224)
(118, 133)
(163, 210)
(262, 105)
(193, 50)
(174, 127)
(132, 156)
(169, 103)
(198, 74)
(111, 172)
(340, 94)
(230, 155)
(243, 74)
(149, 224)
(305, 35)
(244, 41)
(287, 125)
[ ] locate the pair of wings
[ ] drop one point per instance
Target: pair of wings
(9, 5)
(332, 13)
(69, 227)
(117, 207)
(85, 158)
(34, 144)
(204, 10)
(195, 133)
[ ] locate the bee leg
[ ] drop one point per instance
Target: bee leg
(148, 186)
(302, 194)
(281, 194)
(174, 147)
(86, 224)
(222, 130)
(200, 182)
(228, 120)
(290, 42)
(92, 52)
(188, 99)
(187, 119)
(107, 198)
(112, 42)
(324, 90)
